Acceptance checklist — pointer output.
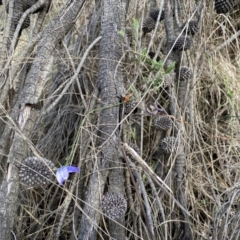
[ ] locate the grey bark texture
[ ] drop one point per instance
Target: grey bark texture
(63, 97)
(30, 95)
(110, 85)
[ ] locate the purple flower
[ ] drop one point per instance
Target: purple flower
(158, 110)
(62, 173)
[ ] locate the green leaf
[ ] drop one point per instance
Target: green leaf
(122, 32)
(158, 79)
(144, 52)
(172, 66)
(132, 88)
(135, 24)
(157, 65)
(230, 94)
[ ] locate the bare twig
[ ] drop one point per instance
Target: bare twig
(74, 77)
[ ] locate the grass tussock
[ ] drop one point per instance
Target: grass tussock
(210, 134)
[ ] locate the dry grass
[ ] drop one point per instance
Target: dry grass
(210, 139)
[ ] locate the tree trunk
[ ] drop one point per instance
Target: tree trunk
(29, 96)
(107, 86)
(110, 85)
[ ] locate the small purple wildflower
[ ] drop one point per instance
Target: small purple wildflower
(62, 173)
(157, 110)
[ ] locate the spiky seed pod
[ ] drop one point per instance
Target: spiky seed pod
(152, 54)
(34, 172)
(135, 148)
(185, 73)
(182, 43)
(169, 144)
(191, 27)
(224, 6)
(154, 14)
(114, 205)
(129, 106)
(148, 25)
(162, 122)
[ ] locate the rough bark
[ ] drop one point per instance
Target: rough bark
(10, 38)
(30, 95)
(111, 87)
